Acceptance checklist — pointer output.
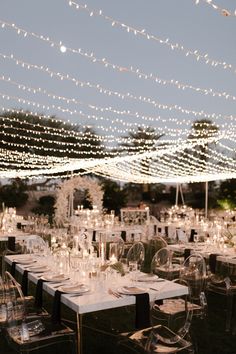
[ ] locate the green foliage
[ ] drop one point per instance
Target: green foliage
(114, 197)
(118, 266)
(45, 207)
(227, 194)
(14, 194)
(226, 204)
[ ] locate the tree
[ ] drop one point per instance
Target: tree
(31, 138)
(227, 194)
(45, 207)
(198, 157)
(14, 194)
(143, 140)
(114, 197)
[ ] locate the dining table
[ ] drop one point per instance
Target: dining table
(95, 294)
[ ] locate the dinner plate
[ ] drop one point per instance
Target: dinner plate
(74, 289)
(148, 278)
(131, 290)
(55, 277)
(28, 260)
(38, 269)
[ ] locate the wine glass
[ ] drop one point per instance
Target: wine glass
(74, 264)
(133, 268)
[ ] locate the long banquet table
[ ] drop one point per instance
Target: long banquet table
(99, 298)
(205, 249)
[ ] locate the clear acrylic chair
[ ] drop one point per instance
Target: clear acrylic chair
(163, 265)
(3, 304)
(194, 273)
(136, 254)
(151, 247)
(222, 282)
(15, 302)
(175, 312)
(33, 334)
(156, 339)
(165, 335)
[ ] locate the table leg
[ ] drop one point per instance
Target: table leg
(79, 333)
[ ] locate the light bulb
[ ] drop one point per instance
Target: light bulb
(63, 49)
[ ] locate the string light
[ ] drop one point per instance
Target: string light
(161, 164)
(168, 153)
(146, 100)
(135, 71)
(28, 135)
(171, 132)
(124, 112)
(195, 53)
(106, 109)
(171, 166)
(63, 49)
(222, 11)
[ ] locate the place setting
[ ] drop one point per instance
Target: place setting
(131, 290)
(25, 260)
(55, 278)
(149, 278)
(38, 268)
(74, 289)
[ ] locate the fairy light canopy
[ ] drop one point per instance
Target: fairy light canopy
(115, 91)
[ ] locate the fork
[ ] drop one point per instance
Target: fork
(114, 293)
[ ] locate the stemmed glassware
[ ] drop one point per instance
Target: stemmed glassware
(133, 269)
(74, 263)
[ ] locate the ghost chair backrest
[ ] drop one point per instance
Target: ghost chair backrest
(136, 253)
(15, 302)
(194, 272)
(151, 247)
(160, 338)
(175, 312)
(3, 305)
(162, 264)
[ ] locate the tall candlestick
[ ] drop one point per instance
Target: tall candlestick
(103, 252)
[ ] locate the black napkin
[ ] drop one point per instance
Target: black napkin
(56, 307)
(24, 282)
(191, 238)
(94, 236)
(11, 243)
(142, 319)
(187, 253)
(166, 231)
(19, 225)
(123, 235)
(212, 262)
(38, 302)
(13, 268)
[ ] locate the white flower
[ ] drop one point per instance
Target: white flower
(66, 189)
